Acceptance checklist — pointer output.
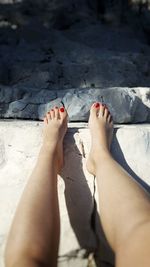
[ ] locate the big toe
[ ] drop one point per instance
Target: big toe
(63, 113)
(95, 109)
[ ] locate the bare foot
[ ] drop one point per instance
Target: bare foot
(55, 127)
(101, 128)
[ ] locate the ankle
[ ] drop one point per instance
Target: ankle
(48, 152)
(101, 157)
(100, 154)
(48, 148)
(50, 155)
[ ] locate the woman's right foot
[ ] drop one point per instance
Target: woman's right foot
(101, 128)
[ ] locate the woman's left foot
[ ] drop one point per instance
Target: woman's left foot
(55, 127)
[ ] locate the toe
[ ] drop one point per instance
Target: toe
(52, 114)
(48, 115)
(110, 119)
(95, 108)
(62, 113)
(56, 110)
(106, 112)
(101, 110)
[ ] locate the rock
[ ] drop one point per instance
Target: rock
(40, 97)
(37, 57)
(3, 109)
(43, 108)
(6, 94)
(108, 38)
(18, 109)
(126, 104)
(145, 20)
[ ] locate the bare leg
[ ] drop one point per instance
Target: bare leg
(34, 236)
(124, 205)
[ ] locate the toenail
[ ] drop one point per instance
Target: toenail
(97, 105)
(56, 107)
(48, 112)
(62, 109)
(52, 109)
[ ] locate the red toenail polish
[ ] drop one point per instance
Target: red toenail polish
(48, 112)
(62, 109)
(97, 105)
(56, 107)
(52, 109)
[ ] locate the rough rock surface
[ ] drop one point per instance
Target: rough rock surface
(126, 104)
(80, 235)
(54, 52)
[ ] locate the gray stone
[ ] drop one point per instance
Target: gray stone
(126, 104)
(112, 39)
(3, 109)
(43, 108)
(40, 97)
(49, 59)
(9, 94)
(24, 75)
(18, 109)
(83, 71)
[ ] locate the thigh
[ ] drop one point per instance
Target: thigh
(136, 249)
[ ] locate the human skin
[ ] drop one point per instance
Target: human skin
(34, 235)
(124, 205)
